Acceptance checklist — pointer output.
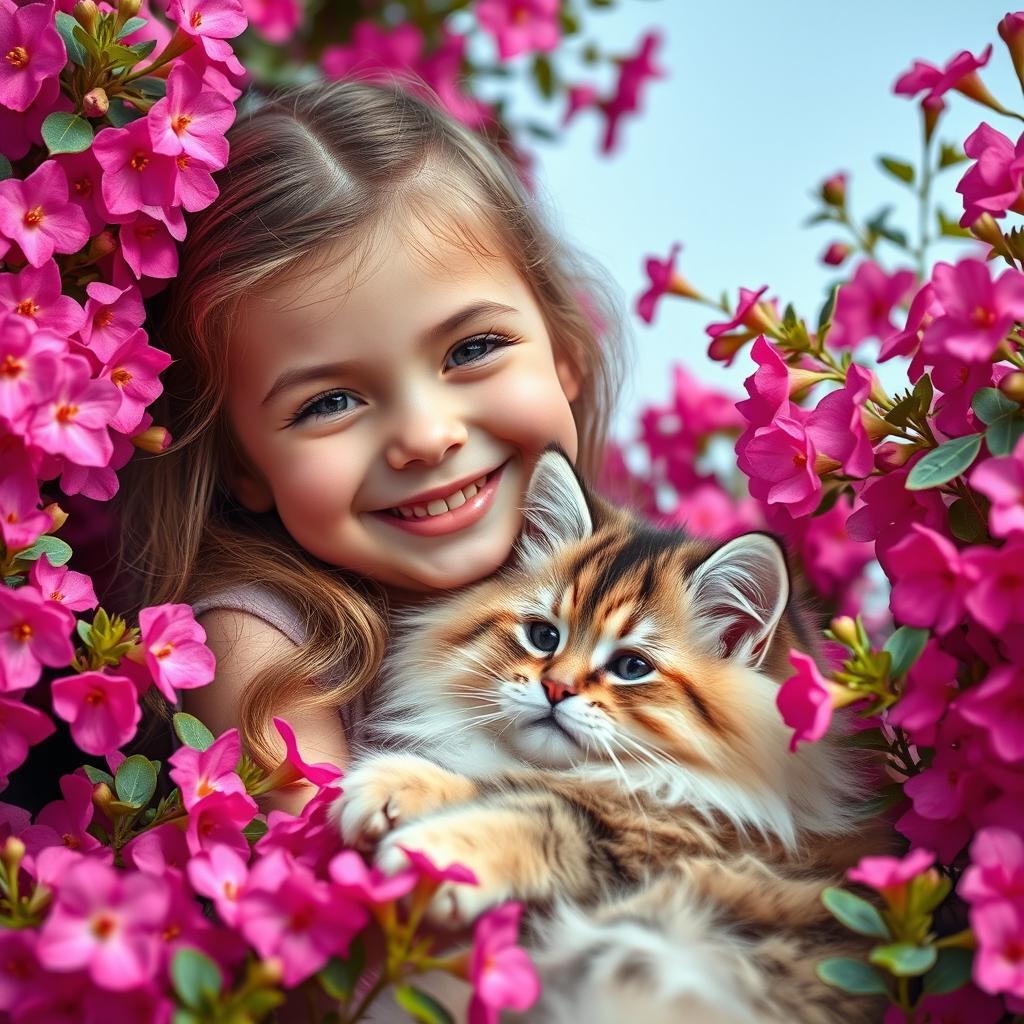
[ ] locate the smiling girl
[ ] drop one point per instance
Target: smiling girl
(375, 336)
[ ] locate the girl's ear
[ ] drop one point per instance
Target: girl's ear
(568, 377)
(739, 595)
(556, 512)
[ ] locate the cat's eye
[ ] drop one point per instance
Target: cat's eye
(630, 666)
(543, 636)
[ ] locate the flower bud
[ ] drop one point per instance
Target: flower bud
(58, 517)
(1011, 31)
(836, 253)
(891, 455)
(95, 103)
(265, 973)
(987, 230)
(833, 190)
(844, 629)
(128, 9)
(1012, 385)
(678, 285)
(102, 245)
(85, 12)
(102, 798)
(13, 851)
(802, 380)
(154, 440)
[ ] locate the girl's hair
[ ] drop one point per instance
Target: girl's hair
(312, 168)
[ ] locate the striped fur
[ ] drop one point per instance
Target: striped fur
(618, 803)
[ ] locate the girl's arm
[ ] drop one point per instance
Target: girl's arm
(242, 643)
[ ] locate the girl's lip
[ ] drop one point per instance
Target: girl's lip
(455, 519)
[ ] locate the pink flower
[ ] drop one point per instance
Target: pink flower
(195, 188)
(864, 305)
(978, 312)
(929, 582)
(221, 875)
(20, 130)
(103, 710)
(998, 964)
(148, 248)
(779, 459)
(369, 885)
(930, 686)
(709, 511)
(198, 773)
(70, 818)
(374, 47)
(995, 706)
(996, 596)
(580, 97)
(106, 922)
(35, 294)
(112, 316)
(158, 851)
(891, 872)
(836, 254)
(191, 119)
(427, 869)
(134, 175)
(288, 913)
(21, 727)
(805, 701)
(769, 386)
(923, 309)
(29, 361)
(33, 632)
(749, 315)
(958, 383)
(73, 590)
(663, 280)
(960, 73)
(83, 173)
(831, 558)
(997, 868)
(175, 649)
(993, 184)
(500, 972)
(134, 370)
(520, 26)
(634, 73)
(20, 972)
(293, 767)
(209, 22)
(837, 424)
(275, 20)
(33, 52)
(21, 519)
(220, 818)
(1001, 480)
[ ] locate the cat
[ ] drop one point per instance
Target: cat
(593, 731)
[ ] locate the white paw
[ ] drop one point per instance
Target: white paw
(370, 803)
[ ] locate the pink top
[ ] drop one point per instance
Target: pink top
(273, 609)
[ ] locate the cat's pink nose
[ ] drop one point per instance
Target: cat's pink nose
(556, 690)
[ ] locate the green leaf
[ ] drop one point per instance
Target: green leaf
(255, 830)
(878, 225)
(857, 914)
(949, 155)
(828, 501)
(6, 170)
(197, 979)
(949, 227)
(338, 979)
(96, 775)
(56, 550)
(130, 26)
(119, 114)
(966, 521)
(88, 42)
(905, 647)
(135, 781)
(191, 731)
(923, 394)
(66, 26)
(1004, 433)
(122, 57)
(182, 1016)
(421, 1006)
(151, 88)
(84, 630)
(944, 463)
(898, 169)
(906, 407)
(852, 976)
(541, 131)
(951, 971)
(827, 310)
(904, 959)
(990, 403)
(544, 75)
(66, 133)
(143, 49)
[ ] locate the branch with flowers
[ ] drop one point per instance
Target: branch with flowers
(929, 483)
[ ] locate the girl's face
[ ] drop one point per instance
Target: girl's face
(393, 434)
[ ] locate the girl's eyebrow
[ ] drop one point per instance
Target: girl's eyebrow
(307, 374)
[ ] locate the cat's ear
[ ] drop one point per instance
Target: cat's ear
(739, 595)
(555, 510)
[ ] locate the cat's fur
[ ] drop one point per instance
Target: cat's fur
(673, 848)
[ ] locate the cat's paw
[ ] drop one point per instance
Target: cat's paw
(446, 840)
(383, 792)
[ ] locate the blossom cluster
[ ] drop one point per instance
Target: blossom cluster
(929, 482)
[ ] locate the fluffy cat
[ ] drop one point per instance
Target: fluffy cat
(593, 731)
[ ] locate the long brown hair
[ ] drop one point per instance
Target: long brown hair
(313, 167)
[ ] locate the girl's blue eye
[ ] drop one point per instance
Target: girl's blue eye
(475, 349)
(330, 403)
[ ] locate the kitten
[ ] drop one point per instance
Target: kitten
(593, 731)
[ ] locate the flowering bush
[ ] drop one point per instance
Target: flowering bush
(930, 483)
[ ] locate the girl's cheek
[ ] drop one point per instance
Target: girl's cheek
(531, 410)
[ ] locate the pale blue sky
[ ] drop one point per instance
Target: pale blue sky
(761, 102)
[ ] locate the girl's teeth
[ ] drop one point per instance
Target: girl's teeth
(442, 505)
(457, 499)
(435, 508)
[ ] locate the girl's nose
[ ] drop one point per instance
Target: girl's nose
(425, 437)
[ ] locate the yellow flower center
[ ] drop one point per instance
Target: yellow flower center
(66, 412)
(103, 318)
(22, 632)
(983, 317)
(17, 57)
(11, 367)
(34, 217)
(120, 377)
(196, 20)
(27, 307)
(138, 162)
(180, 123)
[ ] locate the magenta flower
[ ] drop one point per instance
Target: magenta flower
(502, 976)
(29, 362)
(20, 973)
(70, 818)
(996, 595)
(191, 119)
(106, 922)
(198, 773)
(836, 254)
(993, 184)
(36, 214)
(21, 519)
(427, 869)
(20, 130)
(209, 22)
(768, 387)
(33, 632)
(883, 873)
(221, 875)
(112, 316)
(998, 964)
(960, 73)
(369, 885)
(134, 175)
(220, 818)
(580, 97)
(995, 706)
(929, 582)
(83, 173)
(780, 461)
(134, 369)
(275, 20)
(102, 710)
(1001, 480)
(749, 315)
(663, 280)
(21, 727)
(805, 701)
(33, 49)
(520, 26)
(977, 311)
(73, 590)
(147, 247)
(997, 867)
(864, 305)
(35, 294)
(158, 851)
(374, 47)
(836, 425)
(832, 560)
(288, 913)
(635, 72)
(295, 768)
(930, 686)
(923, 309)
(175, 649)
(707, 510)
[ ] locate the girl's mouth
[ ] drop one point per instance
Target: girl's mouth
(456, 511)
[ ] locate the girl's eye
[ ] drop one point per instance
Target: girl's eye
(630, 666)
(475, 349)
(543, 636)
(330, 403)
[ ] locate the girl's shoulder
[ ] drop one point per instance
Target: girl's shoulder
(260, 601)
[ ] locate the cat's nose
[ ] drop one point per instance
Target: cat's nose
(557, 691)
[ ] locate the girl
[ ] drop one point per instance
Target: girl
(375, 336)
